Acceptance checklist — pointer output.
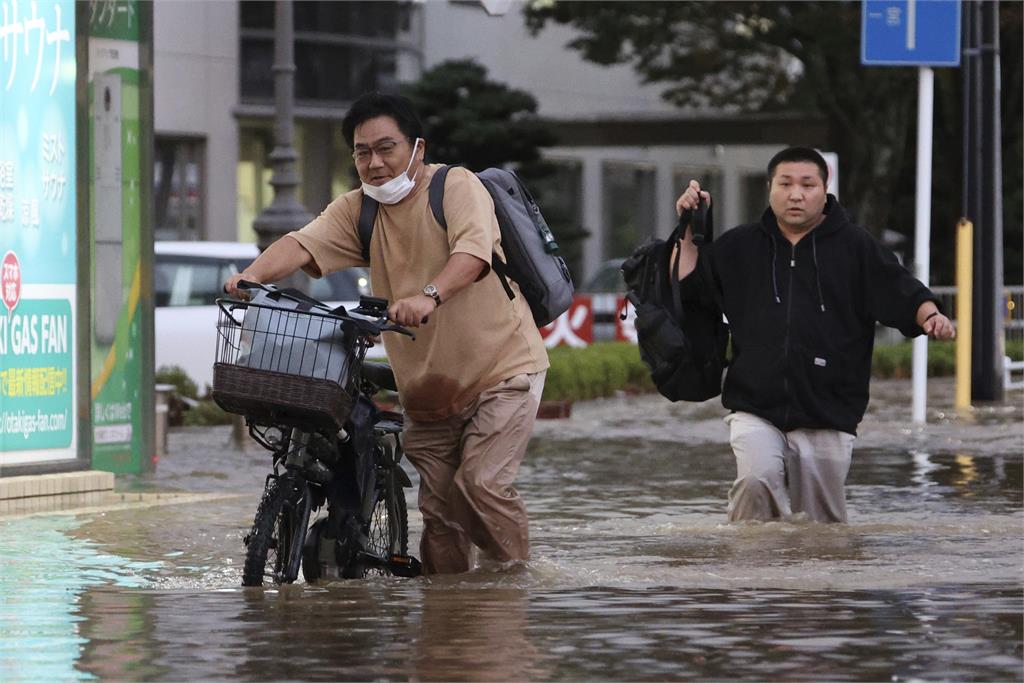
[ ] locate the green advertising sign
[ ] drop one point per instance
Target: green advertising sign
(38, 229)
(116, 223)
(117, 19)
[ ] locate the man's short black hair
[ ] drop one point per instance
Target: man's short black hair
(374, 104)
(798, 154)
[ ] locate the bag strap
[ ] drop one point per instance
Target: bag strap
(435, 196)
(703, 225)
(702, 229)
(303, 301)
(703, 235)
(367, 217)
(673, 265)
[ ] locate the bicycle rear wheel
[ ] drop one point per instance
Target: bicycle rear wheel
(273, 547)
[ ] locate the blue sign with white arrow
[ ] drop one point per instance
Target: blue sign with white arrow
(910, 33)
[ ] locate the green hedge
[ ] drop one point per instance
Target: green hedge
(206, 413)
(183, 384)
(203, 412)
(597, 370)
(603, 368)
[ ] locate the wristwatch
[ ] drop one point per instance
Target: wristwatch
(431, 291)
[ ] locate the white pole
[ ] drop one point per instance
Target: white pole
(923, 228)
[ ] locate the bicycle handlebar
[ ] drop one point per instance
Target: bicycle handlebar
(374, 308)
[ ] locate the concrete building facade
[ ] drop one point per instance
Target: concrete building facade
(623, 152)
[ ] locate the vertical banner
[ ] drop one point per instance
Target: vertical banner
(37, 232)
(117, 219)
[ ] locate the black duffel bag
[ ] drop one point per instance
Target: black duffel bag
(679, 326)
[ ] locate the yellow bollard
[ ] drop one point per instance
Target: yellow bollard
(964, 291)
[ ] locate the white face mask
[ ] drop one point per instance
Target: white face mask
(396, 189)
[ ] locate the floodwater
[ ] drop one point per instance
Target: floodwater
(635, 574)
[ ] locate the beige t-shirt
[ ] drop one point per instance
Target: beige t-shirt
(472, 342)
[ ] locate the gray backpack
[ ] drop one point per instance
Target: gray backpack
(530, 248)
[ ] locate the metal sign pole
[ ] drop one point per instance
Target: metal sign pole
(923, 227)
(921, 34)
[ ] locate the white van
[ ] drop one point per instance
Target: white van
(187, 281)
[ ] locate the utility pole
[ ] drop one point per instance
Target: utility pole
(983, 193)
(284, 213)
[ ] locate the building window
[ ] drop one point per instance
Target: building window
(178, 181)
(342, 49)
(755, 196)
(371, 19)
(325, 169)
(323, 72)
(629, 207)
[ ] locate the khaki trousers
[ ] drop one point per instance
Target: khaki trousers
(468, 465)
(779, 474)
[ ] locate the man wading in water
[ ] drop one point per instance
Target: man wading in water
(471, 382)
(802, 290)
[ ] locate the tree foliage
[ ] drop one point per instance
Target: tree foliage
(474, 121)
(760, 57)
(480, 123)
(798, 56)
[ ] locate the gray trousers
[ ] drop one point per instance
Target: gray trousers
(779, 474)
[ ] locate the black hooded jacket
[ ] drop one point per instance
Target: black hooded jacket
(803, 318)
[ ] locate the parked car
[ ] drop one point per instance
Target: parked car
(605, 287)
(187, 281)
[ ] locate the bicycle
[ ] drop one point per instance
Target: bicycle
(295, 369)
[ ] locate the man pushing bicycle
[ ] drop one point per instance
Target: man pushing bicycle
(471, 382)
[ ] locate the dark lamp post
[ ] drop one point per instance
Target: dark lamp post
(285, 213)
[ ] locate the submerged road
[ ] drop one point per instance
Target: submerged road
(635, 575)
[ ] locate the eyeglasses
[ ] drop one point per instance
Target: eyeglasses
(384, 149)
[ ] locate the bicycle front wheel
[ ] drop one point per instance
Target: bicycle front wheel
(273, 546)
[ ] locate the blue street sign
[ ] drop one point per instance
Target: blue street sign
(910, 33)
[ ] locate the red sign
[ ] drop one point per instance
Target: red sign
(10, 281)
(575, 327)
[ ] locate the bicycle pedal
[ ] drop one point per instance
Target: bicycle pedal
(404, 565)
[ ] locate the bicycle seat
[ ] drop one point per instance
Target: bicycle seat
(380, 375)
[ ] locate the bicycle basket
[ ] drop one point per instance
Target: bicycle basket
(282, 364)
